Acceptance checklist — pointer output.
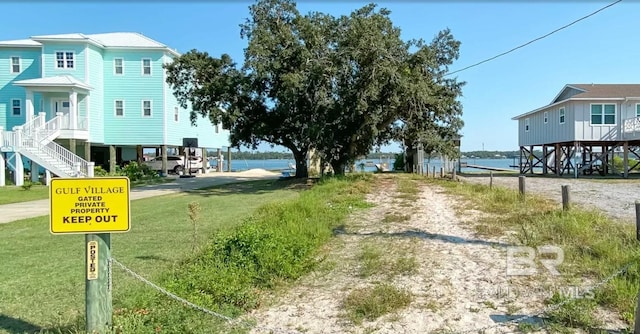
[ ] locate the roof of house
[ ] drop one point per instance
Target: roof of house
(106, 40)
(20, 42)
(55, 81)
(592, 92)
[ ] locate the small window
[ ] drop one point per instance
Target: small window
(637, 109)
(15, 64)
(603, 114)
(146, 66)
(176, 114)
(118, 66)
(119, 108)
(561, 112)
(146, 108)
(16, 107)
(526, 125)
(64, 59)
(546, 117)
(217, 128)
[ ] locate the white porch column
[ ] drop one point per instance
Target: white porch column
(73, 110)
(2, 166)
(47, 177)
(30, 111)
(35, 172)
(19, 172)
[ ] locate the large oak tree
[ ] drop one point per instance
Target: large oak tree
(339, 85)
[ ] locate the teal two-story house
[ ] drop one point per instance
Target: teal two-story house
(71, 101)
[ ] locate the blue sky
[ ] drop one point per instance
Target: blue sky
(601, 49)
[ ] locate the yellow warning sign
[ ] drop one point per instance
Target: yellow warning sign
(92, 260)
(89, 205)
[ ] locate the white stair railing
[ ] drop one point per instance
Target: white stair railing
(35, 137)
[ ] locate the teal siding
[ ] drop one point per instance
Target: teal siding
(204, 129)
(133, 88)
(95, 66)
(50, 49)
(96, 101)
(30, 69)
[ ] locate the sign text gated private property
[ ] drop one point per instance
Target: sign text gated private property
(89, 205)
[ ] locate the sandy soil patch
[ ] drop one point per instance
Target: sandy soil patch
(460, 283)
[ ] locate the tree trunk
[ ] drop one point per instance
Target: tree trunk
(338, 167)
(302, 170)
(409, 159)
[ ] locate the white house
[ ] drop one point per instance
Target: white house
(584, 125)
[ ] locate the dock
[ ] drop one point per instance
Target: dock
(497, 169)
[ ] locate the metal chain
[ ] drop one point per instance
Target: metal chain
(552, 307)
(198, 307)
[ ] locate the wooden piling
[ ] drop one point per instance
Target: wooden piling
(521, 185)
(490, 179)
(638, 221)
(566, 200)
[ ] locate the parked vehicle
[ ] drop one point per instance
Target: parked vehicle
(175, 164)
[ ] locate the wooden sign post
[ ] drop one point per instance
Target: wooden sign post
(95, 207)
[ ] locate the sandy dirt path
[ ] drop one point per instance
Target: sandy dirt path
(460, 284)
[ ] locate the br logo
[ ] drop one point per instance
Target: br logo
(521, 260)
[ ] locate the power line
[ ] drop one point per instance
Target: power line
(534, 40)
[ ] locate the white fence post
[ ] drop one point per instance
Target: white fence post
(90, 167)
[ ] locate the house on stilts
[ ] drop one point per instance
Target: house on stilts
(70, 102)
(581, 131)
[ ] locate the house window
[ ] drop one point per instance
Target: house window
(15, 64)
(217, 128)
(561, 115)
(118, 107)
(526, 125)
(603, 114)
(146, 66)
(637, 109)
(546, 117)
(118, 66)
(146, 108)
(16, 107)
(64, 59)
(175, 113)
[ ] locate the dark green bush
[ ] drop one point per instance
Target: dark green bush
(276, 244)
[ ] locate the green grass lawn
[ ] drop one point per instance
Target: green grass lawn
(42, 275)
(13, 194)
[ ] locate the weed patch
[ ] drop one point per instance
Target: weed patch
(372, 302)
(395, 218)
(375, 259)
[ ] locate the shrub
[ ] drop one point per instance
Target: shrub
(99, 171)
(276, 244)
(398, 164)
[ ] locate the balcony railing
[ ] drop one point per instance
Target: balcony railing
(66, 123)
(631, 125)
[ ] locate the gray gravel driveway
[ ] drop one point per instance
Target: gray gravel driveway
(615, 197)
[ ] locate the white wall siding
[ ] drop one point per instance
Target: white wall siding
(585, 131)
(546, 133)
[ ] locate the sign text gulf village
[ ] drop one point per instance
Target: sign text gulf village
(89, 205)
